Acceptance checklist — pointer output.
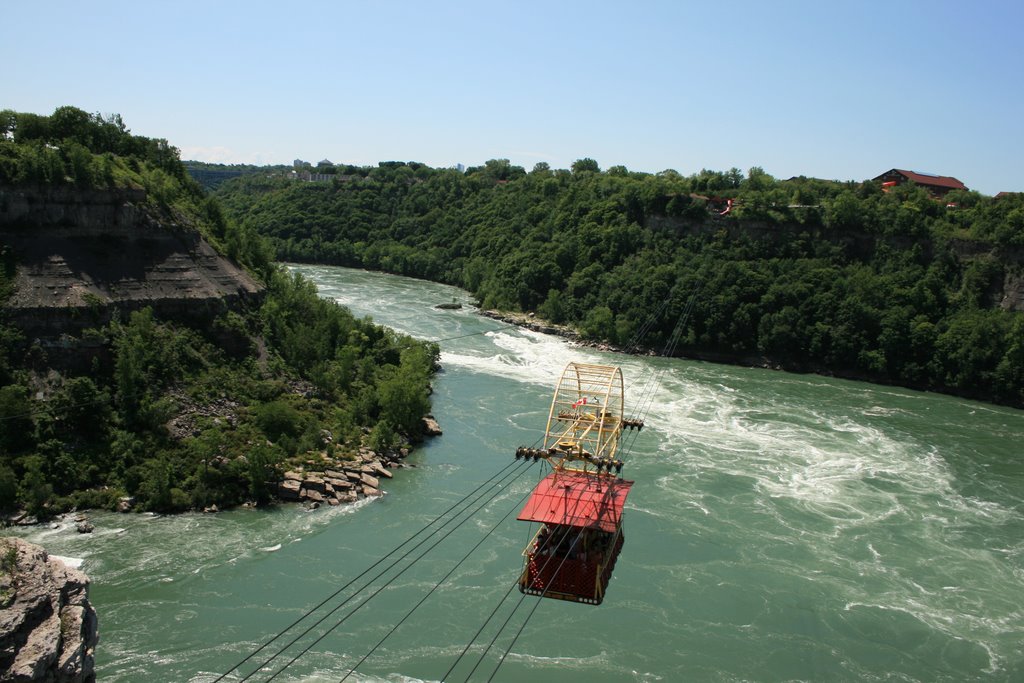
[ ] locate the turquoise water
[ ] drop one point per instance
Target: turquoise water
(782, 527)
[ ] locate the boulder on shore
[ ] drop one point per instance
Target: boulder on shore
(289, 489)
(377, 468)
(430, 426)
(48, 629)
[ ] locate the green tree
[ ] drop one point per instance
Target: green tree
(277, 419)
(970, 349)
(72, 124)
(585, 165)
(262, 472)
(35, 488)
(844, 212)
(382, 436)
(1009, 371)
(16, 425)
(599, 324)
(83, 408)
(553, 308)
(8, 122)
(757, 180)
(780, 334)
(155, 487)
(8, 488)
(403, 394)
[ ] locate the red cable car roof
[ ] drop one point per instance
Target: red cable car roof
(577, 499)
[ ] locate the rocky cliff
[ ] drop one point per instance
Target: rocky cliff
(48, 629)
(1007, 293)
(81, 255)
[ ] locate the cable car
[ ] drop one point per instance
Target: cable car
(579, 504)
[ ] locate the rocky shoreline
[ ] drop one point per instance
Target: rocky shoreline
(48, 629)
(340, 482)
(530, 321)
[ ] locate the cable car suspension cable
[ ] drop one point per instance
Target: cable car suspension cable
(647, 394)
(438, 584)
(493, 495)
(394, 550)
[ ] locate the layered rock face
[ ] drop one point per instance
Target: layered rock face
(82, 254)
(48, 629)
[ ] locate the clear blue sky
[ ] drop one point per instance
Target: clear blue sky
(827, 89)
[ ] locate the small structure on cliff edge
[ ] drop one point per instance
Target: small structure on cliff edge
(48, 629)
(937, 185)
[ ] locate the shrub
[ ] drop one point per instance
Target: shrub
(277, 419)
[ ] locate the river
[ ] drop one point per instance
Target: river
(782, 527)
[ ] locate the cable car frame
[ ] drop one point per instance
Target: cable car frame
(579, 504)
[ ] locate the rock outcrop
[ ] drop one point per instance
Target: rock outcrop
(48, 629)
(341, 482)
(431, 427)
(530, 322)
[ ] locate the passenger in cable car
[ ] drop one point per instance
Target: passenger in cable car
(573, 542)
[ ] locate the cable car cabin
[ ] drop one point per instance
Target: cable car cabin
(578, 505)
(573, 554)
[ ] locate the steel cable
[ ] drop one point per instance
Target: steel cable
(522, 470)
(364, 572)
(435, 587)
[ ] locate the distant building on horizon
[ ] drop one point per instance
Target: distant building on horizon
(307, 176)
(937, 185)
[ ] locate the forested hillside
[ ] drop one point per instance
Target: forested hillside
(845, 278)
(173, 414)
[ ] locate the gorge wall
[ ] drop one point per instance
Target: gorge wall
(1007, 292)
(78, 256)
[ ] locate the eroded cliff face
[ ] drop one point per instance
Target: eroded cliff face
(1012, 295)
(48, 629)
(80, 255)
(1007, 293)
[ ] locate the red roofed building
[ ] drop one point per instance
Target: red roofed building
(937, 185)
